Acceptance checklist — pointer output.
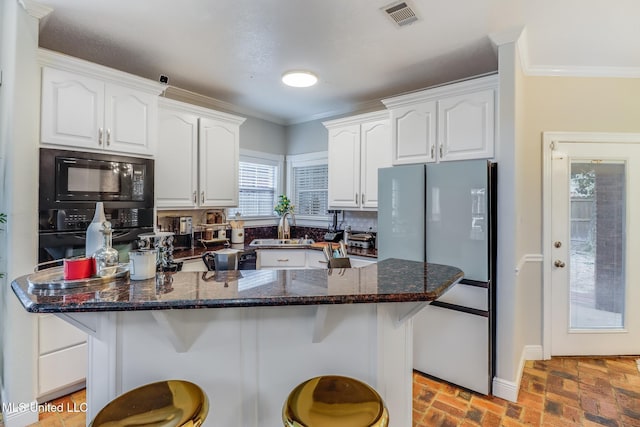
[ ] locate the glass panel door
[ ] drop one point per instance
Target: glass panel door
(597, 254)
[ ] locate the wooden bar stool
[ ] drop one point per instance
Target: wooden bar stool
(169, 403)
(334, 401)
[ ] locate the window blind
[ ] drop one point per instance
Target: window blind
(257, 189)
(310, 184)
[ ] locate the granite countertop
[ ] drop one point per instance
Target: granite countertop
(391, 280)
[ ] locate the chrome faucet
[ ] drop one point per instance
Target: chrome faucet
(284, 232)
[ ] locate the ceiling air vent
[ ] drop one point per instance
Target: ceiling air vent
(400, 13)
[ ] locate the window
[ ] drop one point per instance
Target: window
(308, 183)
(259, 184)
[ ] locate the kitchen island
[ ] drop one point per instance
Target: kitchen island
(249, 337)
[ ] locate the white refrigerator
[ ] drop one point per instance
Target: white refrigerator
(444, 213)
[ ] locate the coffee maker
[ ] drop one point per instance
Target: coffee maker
(333, 234)
(182, 227)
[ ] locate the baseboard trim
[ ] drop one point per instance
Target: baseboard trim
(21, 416)
(508, 390)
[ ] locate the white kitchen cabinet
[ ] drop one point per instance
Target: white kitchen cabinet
(316, 259)
(450, 122)
(358, 146)
(62, 357)
(197, 157)
(466, 126)
(413, 130)
(176, 165)
(280, 258)
(301, 258)
(91, 107)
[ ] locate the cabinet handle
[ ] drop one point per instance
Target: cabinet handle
(441, 155)
(202, 197)
(100, 136)
(195, 197)
(283, 260)
(362, 198)
(323, 262)
(108, 137)
(356, 198)
(433, 151)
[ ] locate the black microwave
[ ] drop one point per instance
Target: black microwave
(75, 179)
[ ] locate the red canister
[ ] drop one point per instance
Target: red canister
(79, 268)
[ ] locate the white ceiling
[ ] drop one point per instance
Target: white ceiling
(236, 50)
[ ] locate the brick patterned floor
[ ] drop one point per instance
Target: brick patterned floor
(561, 392)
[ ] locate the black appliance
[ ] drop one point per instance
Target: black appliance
(71, 182)
(333, 234)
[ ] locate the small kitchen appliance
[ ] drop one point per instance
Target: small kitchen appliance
(361, 240)
(333, 234)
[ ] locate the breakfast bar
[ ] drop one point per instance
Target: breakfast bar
(249, 337)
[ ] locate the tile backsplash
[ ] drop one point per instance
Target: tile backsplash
(360, 221)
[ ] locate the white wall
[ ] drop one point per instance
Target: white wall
(261, 135)
(19, 118)
(308, 137)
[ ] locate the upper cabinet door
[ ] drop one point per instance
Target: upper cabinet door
(376, 153)
(219, 157)
(466, 126)
(344, 167)
(72, 109)
(130, 120)
(413, 130)
(177, 151)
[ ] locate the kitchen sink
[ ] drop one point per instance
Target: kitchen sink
(281, 243)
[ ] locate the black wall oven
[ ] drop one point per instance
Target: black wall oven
(71, 182)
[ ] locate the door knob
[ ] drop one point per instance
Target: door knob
(559, 263)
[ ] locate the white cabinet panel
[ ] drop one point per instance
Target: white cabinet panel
(82, 111)
(219, 157)
(344, 162)
(450, 122)
(316, 259)
(72, 109)
(130, 120)
(281, 258)
(198, 155)
(358, 147)
(177, 151)
(414, 133)
(375, 154)
(466, 126)
(56, 334)
(62, 368)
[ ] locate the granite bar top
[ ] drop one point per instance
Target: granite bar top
(391, 280)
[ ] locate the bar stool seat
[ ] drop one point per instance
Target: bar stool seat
(334, 401)
(169, 403)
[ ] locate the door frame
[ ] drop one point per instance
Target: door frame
(548, 139)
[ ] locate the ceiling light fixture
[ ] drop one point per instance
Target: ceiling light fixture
(298, 78)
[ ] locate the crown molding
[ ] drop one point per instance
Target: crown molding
(189, 97)
(582, 71)
(35, 9)
(520, 37)
(76, 65)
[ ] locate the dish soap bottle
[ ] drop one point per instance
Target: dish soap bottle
(94, 238)
(106, 257)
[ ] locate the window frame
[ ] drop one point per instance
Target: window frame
(259, 157)
(301, 160)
